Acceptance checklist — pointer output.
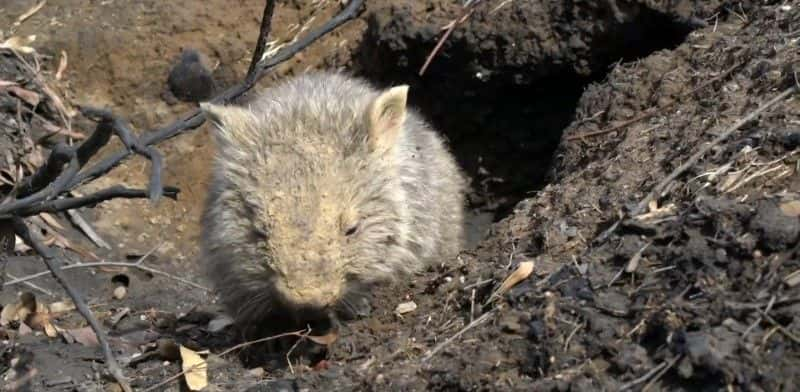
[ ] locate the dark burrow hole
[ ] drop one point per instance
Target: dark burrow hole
(504, 124)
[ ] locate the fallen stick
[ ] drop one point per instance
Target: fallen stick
(49, 257)
(484, 317)
(135, 265)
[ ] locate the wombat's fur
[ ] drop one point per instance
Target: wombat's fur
(322, 183)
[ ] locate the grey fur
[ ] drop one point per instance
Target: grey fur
(294, 171)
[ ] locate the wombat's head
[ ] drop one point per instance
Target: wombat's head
(313, 190)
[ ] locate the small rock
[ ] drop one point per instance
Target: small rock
(537, 331)
(775, 229)
(257, 372)
(190, 80)
(790, 138)
(613, 301)
(120, 292)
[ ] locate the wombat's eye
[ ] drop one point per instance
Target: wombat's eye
(351, 230)
(259, 233)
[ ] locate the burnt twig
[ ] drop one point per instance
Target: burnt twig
(114, 192)
(48, 255)
(123, 130)
(263, 34)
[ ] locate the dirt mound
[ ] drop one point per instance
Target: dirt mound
(699, 290)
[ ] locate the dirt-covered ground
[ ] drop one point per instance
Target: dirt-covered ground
(571, 118)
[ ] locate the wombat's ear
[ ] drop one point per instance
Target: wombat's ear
(228, 119)
(385, 117)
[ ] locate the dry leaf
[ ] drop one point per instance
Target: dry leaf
(8, 314)
(20, 44)
(194, 368)
(6, 83)
(50, 220)
(406, 307)
(521, 273)
(30, 97)
(61, 306)
(324, 340)
(50, 330)
(84, 336)
(62, 65)
(792, 279)
(791, 208)
(38, 321)
(57, 130)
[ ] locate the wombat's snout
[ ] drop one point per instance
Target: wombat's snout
(312, 284)
(315, 298)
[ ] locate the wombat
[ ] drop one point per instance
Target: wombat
(323, 185)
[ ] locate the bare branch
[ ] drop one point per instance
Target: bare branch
(123, 130)
(114, 192)
(263, 34)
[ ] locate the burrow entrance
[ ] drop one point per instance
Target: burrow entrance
(503, 116)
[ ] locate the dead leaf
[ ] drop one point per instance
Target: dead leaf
(50, 330)
(791, 208)
(194, 368)
(324, 340)
(20, 44)
(793, 279)
(50, 220)
(62, 65)
(405, 307)
(30, 97)
(6, 83)
(57, 130)
(8, 314)
(61, 307)
(38, 320)
(84, 336)
(521, 273)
